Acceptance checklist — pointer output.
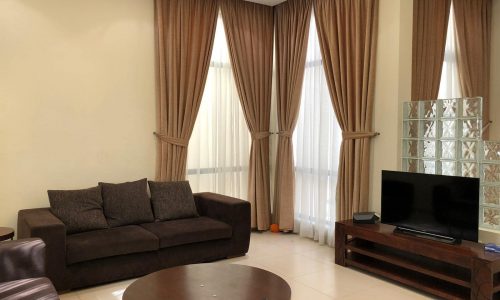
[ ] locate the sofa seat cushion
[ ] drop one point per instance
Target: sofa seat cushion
(109, 242)
(28, 289)
(187, 231)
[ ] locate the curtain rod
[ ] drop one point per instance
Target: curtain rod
(375, 133)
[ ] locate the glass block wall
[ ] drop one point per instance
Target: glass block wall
(490, 185)
(444, 137)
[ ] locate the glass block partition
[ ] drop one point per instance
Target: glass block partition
(490, 185)
(444, 137)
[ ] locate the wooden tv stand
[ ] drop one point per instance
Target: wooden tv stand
(463, 271)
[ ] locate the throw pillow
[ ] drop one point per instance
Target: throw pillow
(172, 200)
(79, 210)
(126, 203)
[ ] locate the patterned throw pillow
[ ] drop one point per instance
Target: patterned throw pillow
(172, 200)
(79, 210)
(126, 203)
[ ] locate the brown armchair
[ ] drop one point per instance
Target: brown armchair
(23, 270)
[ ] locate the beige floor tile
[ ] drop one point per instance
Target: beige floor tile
(267, 246)
(69, 296)
(337, 281)
(303, 292)
(321, 253)
(293, 264)
(296, 244)
(113, 291)
(393, 292)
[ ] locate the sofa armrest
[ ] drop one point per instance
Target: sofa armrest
(22, 259)
(232, 211)
(41, 223)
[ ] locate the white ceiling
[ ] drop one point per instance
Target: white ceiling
(267, 2)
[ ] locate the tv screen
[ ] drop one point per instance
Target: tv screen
(435, 204)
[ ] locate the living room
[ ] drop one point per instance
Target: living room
(79, 89)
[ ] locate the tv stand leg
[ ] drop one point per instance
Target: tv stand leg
(340, 241)
(482, 280)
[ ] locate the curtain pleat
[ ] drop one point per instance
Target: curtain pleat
(430, 25)
(473, 28)
(249, 30)
(292, 20)
(185, 32)
(347, 32)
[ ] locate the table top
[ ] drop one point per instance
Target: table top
(209, 281)
(6, 233)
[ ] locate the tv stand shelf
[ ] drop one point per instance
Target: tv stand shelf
(463, 271)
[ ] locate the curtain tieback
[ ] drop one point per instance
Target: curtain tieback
(285, 134)
(355, 135)
(172, 140)
(260, 135)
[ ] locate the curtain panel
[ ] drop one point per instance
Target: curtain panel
(219, 147)
(316, 146)
(185, 32)
(292, 20)
(249, 29)
(473, 29)
(347, 32)
(430, 25)
(449, 87)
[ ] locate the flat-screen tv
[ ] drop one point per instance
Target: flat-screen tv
(432, 205)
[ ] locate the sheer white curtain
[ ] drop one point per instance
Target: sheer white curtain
(316, 141)
(450, 85)
(219, 147)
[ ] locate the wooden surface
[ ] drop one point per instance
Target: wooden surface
(209, 281)
(6, 233)
(463, 271)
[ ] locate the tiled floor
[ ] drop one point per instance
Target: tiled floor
(306, 266)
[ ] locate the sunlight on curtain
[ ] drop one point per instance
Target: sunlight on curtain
(450, 85)
(219, 147)
(316, 141)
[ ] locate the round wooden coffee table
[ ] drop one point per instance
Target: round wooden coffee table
(6, 233)
(209, 281)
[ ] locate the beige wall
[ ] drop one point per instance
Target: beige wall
(77, 97)
(495, 72)
(392, 87)
(491, 235)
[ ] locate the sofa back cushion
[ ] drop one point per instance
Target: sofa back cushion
(126, 203)
(79, 210)
(172, 200)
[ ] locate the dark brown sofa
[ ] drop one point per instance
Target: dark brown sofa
(23, 270)
(83, 259)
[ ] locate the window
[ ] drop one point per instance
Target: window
(218, 153)
(450, 85)
(316, 140)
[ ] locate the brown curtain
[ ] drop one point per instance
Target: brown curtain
(185, 32)
(473, 23)
(430, 23)
(347, 33)
(292, 20)
(249, 30)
